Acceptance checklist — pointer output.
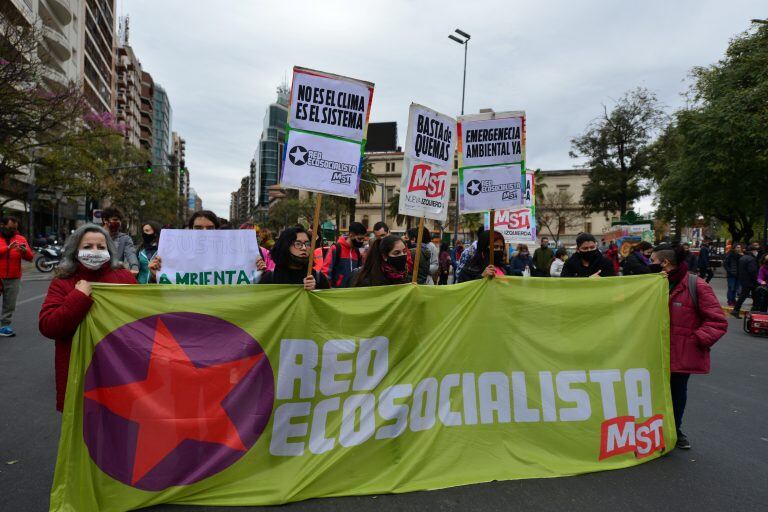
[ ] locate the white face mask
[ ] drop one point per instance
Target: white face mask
(93, 259)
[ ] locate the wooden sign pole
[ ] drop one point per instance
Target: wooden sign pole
(492, 234)
(315, 227)
(417, 256)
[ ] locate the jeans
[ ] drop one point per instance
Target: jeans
(10, 292)
(678, 382)
(733, 288)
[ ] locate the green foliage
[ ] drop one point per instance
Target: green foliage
(616, 147)
(712, 160)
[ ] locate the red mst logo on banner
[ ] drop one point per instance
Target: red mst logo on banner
(423, 178)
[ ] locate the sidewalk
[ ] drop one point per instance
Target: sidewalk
(720, 286)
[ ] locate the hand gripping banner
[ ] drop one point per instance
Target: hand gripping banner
(212, 395)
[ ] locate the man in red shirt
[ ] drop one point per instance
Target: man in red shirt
(13, 247)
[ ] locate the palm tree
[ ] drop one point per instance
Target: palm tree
(393, 210)
(366, 188)
(471, 222)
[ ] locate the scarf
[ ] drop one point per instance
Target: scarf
(391, 273)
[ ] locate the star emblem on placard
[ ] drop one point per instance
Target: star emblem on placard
(473, 187)
(298, 155)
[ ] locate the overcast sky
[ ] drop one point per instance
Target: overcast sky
(221, 62)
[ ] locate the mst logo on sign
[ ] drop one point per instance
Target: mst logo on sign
(509, 190)
(341, 172)
(424, 179)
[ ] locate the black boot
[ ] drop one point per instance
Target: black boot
(682, 442)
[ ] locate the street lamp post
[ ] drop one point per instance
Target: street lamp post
(462, 39)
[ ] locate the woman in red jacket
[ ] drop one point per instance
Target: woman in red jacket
(89, 256)
(695, 324)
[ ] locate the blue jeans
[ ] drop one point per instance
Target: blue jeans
(733, 288)
(679, 388)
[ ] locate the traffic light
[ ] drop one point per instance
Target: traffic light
(182, 167)
(149, 167)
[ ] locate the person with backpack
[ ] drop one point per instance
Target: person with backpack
(344, 256)
(428, 262)
(696, 322)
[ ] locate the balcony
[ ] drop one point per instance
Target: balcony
(57, 43)
(54, 76)
(62, 10)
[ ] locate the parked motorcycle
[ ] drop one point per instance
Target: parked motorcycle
(48, 258)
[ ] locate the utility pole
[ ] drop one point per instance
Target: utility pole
(463, 39)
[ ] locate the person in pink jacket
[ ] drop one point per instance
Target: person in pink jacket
(696, 322)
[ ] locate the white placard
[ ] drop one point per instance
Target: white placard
(321, 164)
(191, 256)
(431, 136)
(424, 190)
(490, 188)
(517, 225)
(333, 105)
(500, 140)
(529, 196)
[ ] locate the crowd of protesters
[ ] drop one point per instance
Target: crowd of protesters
(105, 254)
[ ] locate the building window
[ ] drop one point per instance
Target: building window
(563, 188)
(455, 163)
(560, 227)
(344, 223)
(587, 227)
(453, 194)
(390, 193)
(365, 221)
(390, 167)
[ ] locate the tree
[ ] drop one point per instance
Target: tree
(557, 212)
(712, 160)
(616, 148)
(472, 222)
(366, 188)
(36, 114)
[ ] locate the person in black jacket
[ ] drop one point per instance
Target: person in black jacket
(705, 271)
(587, 260)
(638, 262)
(385, 264)
(731, 264)
(291, 256)
(479, 266)
(747, 277)
(690, 258)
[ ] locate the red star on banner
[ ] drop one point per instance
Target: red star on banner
(176, 401)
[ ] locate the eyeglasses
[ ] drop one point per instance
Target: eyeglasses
(301, 245)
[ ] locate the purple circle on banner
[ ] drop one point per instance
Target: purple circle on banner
(205, 377)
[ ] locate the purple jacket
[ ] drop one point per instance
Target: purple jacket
(762, 275)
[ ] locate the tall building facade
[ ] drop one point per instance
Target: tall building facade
(270, 152)
(146, 121)
(180, 174)
(128, 93)
(239, 210)
(98, 57)
(161, 127)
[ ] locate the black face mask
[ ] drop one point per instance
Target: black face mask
(398, 262)
(498, 257)
(655, 267)
(298, 260)
(149, 239)
(357, 243)
(590, 256)
(8, 233)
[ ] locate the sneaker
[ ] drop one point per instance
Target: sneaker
(736, 314)
(682, 442)
(7, 331)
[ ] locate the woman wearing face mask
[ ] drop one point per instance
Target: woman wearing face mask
(587, 260)
(386, 264)
(694, 326)
(520, 261)
(150, 234)
(89, 256)
(480, 264)
(291, 256)
(639, 261)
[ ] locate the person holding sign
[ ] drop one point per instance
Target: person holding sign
(479, 266)
(89, 256)
(386, 264)
(291, 256)
(587, 260)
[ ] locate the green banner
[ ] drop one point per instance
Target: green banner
(259, 395)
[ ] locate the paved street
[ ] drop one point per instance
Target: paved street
(727, 422)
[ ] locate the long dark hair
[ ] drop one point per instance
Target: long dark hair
(281, 251)
(208, 214)
(371, 274)
(482, 256)
(156, 227)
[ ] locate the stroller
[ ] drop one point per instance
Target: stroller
(756, 321)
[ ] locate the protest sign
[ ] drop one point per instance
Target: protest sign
(490, 188)
(321, 164)
(492, 139)
(518, 226)
(330, 104)
(429, 148)
(214, 397)
(200, 257)
(529, 196)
